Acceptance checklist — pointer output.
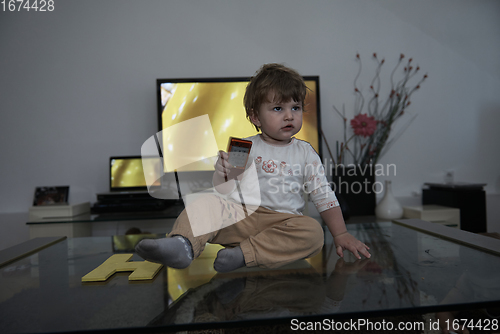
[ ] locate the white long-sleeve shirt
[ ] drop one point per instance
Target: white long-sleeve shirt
(284, 173)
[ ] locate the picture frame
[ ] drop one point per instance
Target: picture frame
(57, 195)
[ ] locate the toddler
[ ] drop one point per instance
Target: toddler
(275, 232)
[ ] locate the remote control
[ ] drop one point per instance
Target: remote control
(238, 150)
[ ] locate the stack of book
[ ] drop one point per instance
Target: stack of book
(435, 214)
(58, 211)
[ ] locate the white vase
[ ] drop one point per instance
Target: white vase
(389, 207)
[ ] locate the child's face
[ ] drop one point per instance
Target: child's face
(279, 122)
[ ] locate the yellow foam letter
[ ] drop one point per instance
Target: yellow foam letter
(141, 270)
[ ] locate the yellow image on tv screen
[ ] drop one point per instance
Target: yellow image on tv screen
(129, 173)
(223, 103)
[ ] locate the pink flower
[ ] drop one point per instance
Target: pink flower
(363, 125)
(269, 166)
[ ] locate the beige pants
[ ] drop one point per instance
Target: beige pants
(268, 239)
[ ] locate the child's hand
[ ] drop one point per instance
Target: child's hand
(347, 241)
(222, 166)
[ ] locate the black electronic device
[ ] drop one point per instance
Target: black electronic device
(130, 206)
(113, 197)
(127, 187)
(470, 198)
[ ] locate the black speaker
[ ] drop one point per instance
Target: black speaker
(469, 198)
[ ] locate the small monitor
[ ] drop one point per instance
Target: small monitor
(127, 173)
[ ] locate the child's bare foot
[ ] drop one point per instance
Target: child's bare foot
(229, 259)
(172, 252)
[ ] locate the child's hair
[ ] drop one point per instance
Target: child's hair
(284, 82)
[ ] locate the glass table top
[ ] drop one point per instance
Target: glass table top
(409, 271)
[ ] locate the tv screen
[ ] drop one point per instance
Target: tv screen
(222, 100)
(127, 173)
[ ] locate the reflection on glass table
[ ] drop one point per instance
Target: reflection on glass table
(410, 272)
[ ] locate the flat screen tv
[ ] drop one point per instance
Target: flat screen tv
(222, 100)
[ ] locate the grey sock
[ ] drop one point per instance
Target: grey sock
(229, 259)
(172, 252)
